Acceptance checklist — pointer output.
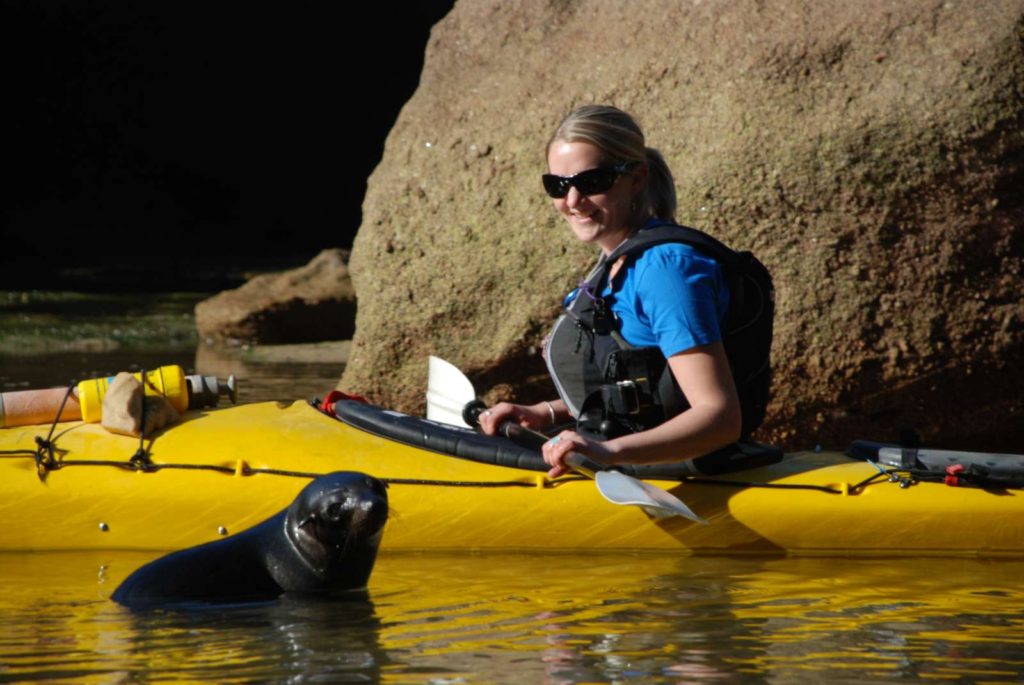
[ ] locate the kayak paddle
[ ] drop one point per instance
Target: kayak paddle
(448, 392)
(448, 389)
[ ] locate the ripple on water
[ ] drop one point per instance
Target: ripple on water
(574, 618)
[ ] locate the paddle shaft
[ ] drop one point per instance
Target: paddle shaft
(530, 438)
(613, 485)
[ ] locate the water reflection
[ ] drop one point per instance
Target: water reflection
(298, 640)
(536, 618)
(600, 618)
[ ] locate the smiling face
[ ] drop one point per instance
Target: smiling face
(602, 218)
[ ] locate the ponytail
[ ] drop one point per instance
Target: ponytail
(660, 194)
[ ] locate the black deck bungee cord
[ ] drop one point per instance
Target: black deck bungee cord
(46, 461)
(45, 448)
(141, 461)
(152, 467)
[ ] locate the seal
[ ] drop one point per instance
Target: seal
(325, 541)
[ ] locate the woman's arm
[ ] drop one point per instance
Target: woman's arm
(535, 416)
(712, 421)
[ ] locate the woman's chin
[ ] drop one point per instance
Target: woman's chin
(586, 232)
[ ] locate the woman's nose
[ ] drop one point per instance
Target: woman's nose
(574, 198)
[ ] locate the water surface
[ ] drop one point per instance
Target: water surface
(50, 339)
(536, 618)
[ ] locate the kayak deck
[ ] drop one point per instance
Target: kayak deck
(221, 471)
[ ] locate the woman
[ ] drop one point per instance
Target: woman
(608, 185)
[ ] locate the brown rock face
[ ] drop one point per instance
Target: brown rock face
(309, 304)
(870, 153)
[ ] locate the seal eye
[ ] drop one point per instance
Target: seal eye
(335, 511)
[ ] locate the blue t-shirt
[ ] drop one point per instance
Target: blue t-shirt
(672, 296)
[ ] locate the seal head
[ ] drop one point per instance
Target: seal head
(335, 526)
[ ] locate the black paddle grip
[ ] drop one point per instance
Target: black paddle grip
(472, 411)
(510, 429)
(524, 436)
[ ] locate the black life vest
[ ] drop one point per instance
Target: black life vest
(613, 388)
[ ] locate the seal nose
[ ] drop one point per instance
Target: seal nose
(369, 510)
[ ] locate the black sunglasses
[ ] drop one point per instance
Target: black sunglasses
(589, 182)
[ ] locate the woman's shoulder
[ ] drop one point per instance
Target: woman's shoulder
(675, 256)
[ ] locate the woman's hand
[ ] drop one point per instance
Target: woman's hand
(536, 417)
(558, 448)
(529, 417)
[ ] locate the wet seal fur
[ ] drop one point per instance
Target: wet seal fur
(325, 541)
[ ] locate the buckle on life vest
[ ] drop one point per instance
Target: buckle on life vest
(953, 472)
(622, 398)
(628, 397)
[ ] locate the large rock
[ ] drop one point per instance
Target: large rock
(869, 152)
(309, 304)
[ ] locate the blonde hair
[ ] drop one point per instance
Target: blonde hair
(620, 139)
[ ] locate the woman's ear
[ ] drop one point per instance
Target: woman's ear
(640, 177)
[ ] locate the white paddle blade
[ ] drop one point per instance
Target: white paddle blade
(448, 391)
(618, 488)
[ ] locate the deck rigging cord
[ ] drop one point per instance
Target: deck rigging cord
(141, 457)
(892, 475)
(46, 461)
(45, 448)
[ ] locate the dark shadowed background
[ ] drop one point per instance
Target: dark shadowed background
(182, 145)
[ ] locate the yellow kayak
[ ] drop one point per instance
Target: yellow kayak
(220, 471)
